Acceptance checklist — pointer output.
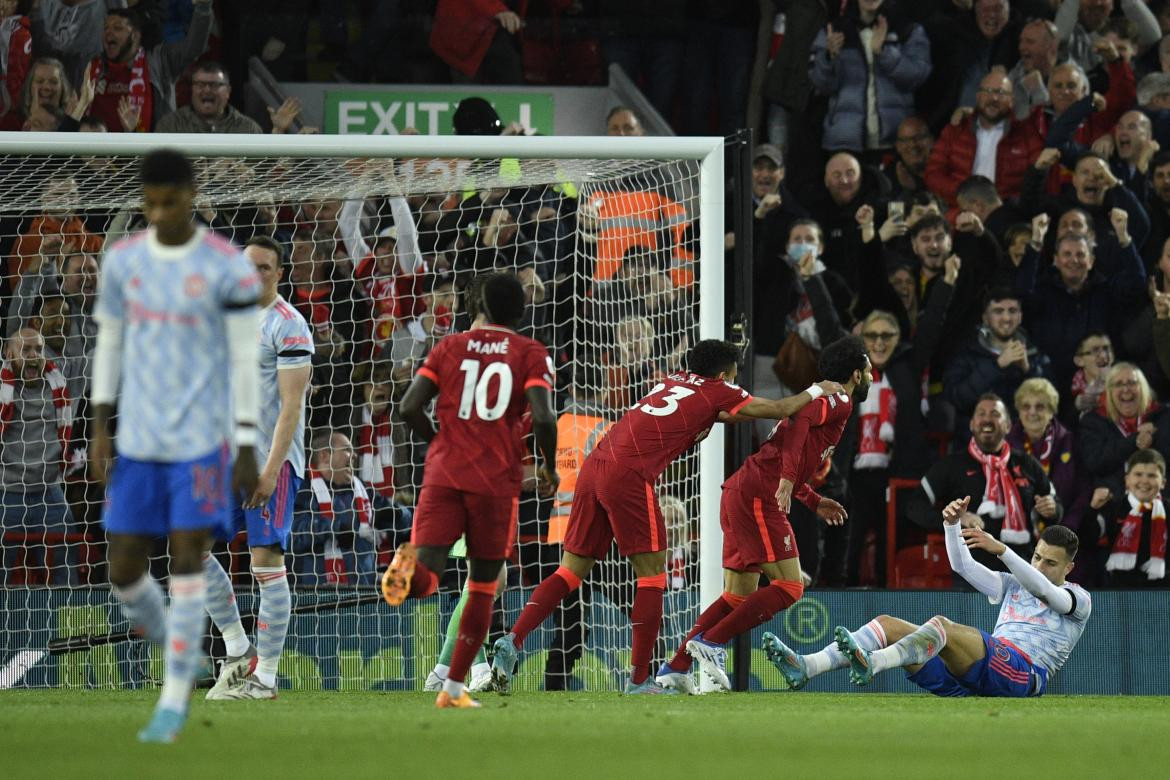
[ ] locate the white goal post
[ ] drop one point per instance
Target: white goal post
(286, 168)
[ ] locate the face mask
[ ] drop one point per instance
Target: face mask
(798, 252)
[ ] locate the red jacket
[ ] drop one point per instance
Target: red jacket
(463, 31)
(953, 157)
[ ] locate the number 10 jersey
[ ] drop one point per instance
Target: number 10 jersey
(482, 376)
(667, 422)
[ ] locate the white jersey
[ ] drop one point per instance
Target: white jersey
(285, 342)
(1035, 628)
(172, 301)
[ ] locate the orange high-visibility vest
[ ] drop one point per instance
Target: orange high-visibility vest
(627, 220)
(577, 435)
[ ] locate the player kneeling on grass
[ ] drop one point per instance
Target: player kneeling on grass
(1041, 619)
(615, 498)
(483, 378)
(753, 514)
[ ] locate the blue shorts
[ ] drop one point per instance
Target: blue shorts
(1003, 671)
(149, 498)
(271, 523)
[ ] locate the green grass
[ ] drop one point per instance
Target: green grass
(62, 733)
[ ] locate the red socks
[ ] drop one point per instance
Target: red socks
(423, 583)
(645, 618)
(473, 627)
(711, 616)
(544, 600)
(756, 609)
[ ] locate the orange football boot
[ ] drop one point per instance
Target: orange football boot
(444, 700)
(396, 579)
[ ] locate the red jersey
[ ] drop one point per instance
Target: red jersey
(482, 376)
(666, 422)
(795, 450)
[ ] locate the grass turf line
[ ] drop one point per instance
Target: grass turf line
(63, 733)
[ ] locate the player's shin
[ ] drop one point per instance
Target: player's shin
(756, 609)
(183, 645)
(142, 602)
(645, 617)
(272, 620)
(544, 600)
(473, 628)
(711, 616)
(222, 608)
(871, 636)
(916, 648)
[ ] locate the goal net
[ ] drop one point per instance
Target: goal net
(619, 245)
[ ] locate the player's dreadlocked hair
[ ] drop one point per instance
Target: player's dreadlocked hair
(711, 357)
(500, 297)
(841, 358)
(166, 168)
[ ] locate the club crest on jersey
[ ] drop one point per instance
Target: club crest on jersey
(195, 286)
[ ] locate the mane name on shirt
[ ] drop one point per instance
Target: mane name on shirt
(488, 347)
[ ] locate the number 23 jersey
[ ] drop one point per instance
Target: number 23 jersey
(482, 376)
(667, 421)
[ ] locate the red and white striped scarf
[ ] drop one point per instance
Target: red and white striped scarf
(876, 416)
(1001, 498)
(376, 451)
(56, 380)
(335, 572)
(1129, 535)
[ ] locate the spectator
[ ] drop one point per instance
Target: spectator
(1011, 496)
(1069, 300)
(1158, 207)
(335, 542)
(1135, 525)
(991, 143)
(15, 49)
(70, 30)
(979, 196)
(36, 422)
(1080, 117)
(847, 186)
(1093, 359)
(1130, 150)
(996, 360)
(1038, 433)
(58, 229)
(372, 421)
(45, 97)
(1131, 420)
(209, 111)
(479, 41)
(1080, 21)
(787, 86)
(912, 145)
(629, 367)
(136, 87)
(1039, 47)
(622, 121)
(868, 62)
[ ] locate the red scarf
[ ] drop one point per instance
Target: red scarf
(113, 81)
(1129, 535)
(1127, 425)
(60, 394)
(1001, 498)
(335, 572)
(377, 452)
(876, 416)
(1045, 453)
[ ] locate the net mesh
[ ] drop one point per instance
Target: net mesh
(379, 252)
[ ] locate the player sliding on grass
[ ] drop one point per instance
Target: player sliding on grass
(1041, 619)
(753, 515)
(471, 478)
(615, 497)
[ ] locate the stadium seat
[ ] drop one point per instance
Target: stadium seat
(920, 566)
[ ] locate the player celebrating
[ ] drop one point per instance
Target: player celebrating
(1041, 619)
(753, 515)
(286, 357)
(471, 477)
(181, 303)
(615, 497)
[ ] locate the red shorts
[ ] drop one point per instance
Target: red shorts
(444, 514)
(611, 502)
(755, 531)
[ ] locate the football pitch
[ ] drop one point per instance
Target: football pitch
(64, 733)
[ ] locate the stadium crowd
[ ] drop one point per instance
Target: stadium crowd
(978, 189)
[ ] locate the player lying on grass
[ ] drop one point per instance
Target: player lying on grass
(615, 497)
(1041, 619)
(753, 515)
(484, 378)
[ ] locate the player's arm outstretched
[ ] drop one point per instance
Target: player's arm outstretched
(780, 408)
(1031, 578)
(981, 578)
